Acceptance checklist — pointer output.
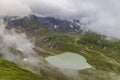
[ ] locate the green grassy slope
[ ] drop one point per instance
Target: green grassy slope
(10, 71)
(102, 54)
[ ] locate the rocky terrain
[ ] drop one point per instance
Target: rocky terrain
(50, 37)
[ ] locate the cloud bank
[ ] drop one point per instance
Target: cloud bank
(15, 47)
(101, 16)
(13, 8)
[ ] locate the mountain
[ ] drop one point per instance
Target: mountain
(34, 23)
(53, 36)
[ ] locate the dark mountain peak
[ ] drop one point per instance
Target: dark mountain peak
(32, 22)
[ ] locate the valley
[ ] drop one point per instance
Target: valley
(53, 54)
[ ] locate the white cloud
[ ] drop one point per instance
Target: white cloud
(104, 14)
(13, 8)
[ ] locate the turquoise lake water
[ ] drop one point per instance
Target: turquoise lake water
(68, 60)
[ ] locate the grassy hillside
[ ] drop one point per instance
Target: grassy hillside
(10, 71)
(101, 53)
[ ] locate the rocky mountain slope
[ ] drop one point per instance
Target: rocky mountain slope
(53, 36)
(34, 23)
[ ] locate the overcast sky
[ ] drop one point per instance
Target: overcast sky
(104, 15)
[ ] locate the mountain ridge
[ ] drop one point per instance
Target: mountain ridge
(51, 24)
